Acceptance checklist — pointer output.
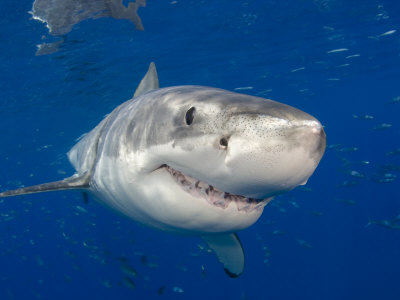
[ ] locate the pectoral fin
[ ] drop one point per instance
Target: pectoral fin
(70, 183)
(229, 251)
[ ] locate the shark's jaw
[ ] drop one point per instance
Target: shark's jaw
(212, 195)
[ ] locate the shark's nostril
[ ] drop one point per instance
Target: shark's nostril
(223, 142)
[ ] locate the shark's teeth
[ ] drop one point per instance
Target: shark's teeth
(212, 195)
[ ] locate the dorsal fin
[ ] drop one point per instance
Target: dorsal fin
(149, 81)
(70, 183)
(229, 251)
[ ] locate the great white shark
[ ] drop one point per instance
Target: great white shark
(194, 160)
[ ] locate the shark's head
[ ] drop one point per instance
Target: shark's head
(237, 143)
(230, 149)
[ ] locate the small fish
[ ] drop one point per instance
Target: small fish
(362, 162)
(81, 209)
(395, 100)
(268, 222)
(373, 37)
(394, 152)
(128, 270)
(354, 55)
(182, 267)
(195, 254)
(278, 232)
(264, 92)
(44, 147)
(389, 167)
(177, 289)
(303, 243)
(356, 174)
(267, 251)
(61, 172)
(348, 149)
(5, 278)
(304, 188)
(143, 259)
(390, 32)
(243, 88)
(317, 213)
(152, 264)
(346, 201)
(203, 272)
(329, 28)
(338, 50)
(363, 117)
(349, 183)
(161, 290)
(334, 146)
(345, 162)
(298, 69)
(70, 254)
(122, 259)
(384, 178)
(129, 282)
(392, 224)
(39, 261)
(7, 218)
(382, 126)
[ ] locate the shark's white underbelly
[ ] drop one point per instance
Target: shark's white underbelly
(157, 201)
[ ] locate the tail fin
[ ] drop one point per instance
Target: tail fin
(73, 182)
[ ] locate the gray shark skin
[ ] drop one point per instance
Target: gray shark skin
(194, 160)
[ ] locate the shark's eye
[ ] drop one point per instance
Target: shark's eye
(223, 142)
(190, 115)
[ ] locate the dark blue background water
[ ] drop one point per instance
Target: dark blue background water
(309, 244)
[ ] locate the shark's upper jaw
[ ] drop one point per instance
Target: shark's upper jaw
(212, 195)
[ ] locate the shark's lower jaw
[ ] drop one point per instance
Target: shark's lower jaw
(214, 196)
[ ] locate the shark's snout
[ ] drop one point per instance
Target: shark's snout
(272, 153)
(311, 136)
(320, 136)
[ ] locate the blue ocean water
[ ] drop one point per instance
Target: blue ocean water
(337, 238)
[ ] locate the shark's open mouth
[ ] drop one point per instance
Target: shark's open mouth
(212, 195)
